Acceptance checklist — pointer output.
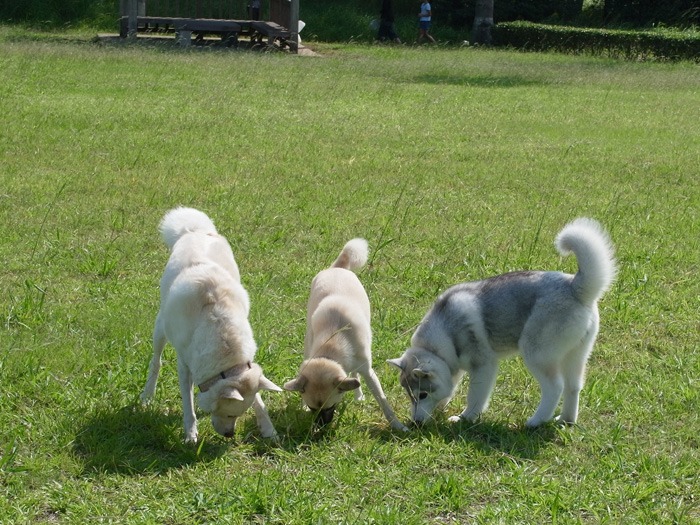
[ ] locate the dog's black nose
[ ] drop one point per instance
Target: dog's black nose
(325, 415)
(230, 434)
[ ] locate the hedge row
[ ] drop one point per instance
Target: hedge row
(631, 45)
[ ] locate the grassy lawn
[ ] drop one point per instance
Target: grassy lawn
(455, 164)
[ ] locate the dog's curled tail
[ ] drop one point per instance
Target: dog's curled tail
(594, 252)
(353, 256)
(180, 221)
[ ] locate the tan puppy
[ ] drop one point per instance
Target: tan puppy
(338, 341)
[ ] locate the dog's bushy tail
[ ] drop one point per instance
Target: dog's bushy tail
(353, 256)
(180, 221)
(594, 252)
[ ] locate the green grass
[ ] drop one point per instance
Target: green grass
(454, 164)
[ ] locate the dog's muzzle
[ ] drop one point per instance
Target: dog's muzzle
(325, 415)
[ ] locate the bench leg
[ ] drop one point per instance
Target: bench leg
(183, 38)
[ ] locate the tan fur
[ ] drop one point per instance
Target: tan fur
(337, 345)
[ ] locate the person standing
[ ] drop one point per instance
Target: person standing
(424, 18)
(255, 9)
(386, 23)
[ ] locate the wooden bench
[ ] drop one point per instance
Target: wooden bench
(133, 20)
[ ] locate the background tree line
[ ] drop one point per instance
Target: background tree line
(611, 13)
(457, 14)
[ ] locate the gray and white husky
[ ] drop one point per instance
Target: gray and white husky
(551, 318)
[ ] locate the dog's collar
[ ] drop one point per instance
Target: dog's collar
(229, 372)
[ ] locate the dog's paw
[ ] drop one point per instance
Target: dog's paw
(267, 430)
(273, 437)
(534, 422)
(397, 425)
(561, 422)
(145, 398)
(469, 418)
(191, 439)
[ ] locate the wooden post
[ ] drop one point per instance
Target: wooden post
(294, 24)
(129, 12)
(133, 14)
(183, 37)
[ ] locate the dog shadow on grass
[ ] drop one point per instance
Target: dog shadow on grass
(297, 429)
(135, 440)
(495, 436)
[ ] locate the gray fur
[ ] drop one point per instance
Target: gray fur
(550, 318)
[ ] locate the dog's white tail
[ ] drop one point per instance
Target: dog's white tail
(180, 221)
(353, 256)
(594, 252)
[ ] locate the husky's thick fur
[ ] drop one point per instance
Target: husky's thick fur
(338, 341)
(204, 314)
(551, 318)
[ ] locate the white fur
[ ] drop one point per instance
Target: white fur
(550, 318)
(204, 314)
(594, 252)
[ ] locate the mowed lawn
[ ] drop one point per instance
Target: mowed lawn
(455, 164)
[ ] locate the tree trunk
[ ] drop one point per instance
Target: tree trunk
(483, 22)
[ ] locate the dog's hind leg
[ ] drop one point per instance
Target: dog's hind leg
(187, 392)
(376, 388)
(548, 374)
(267, 429)
(159, 341)
(574, 369)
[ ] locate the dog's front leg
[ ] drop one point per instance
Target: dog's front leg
(376, 388)
(187, 394)
(359, 396)
(482, 379)
(263, 418)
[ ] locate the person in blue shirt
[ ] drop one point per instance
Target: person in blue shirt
(424, 18)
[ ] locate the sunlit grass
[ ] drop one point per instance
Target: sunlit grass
(454, 164)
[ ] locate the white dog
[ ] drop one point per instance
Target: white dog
(204, 314)
(551, 318)
(338, 341)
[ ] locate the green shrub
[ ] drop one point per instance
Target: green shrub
(635, 45)
(58, 12)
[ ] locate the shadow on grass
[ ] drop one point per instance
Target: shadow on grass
(297, 430)
(297, 426)
(135, 440)
(488, 81)
(489, 436)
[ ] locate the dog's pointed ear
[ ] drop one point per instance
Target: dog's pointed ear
(348, 383)
(231, 393)
(296, 385)
(398, 362)
(417, 373)
(266, 384)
